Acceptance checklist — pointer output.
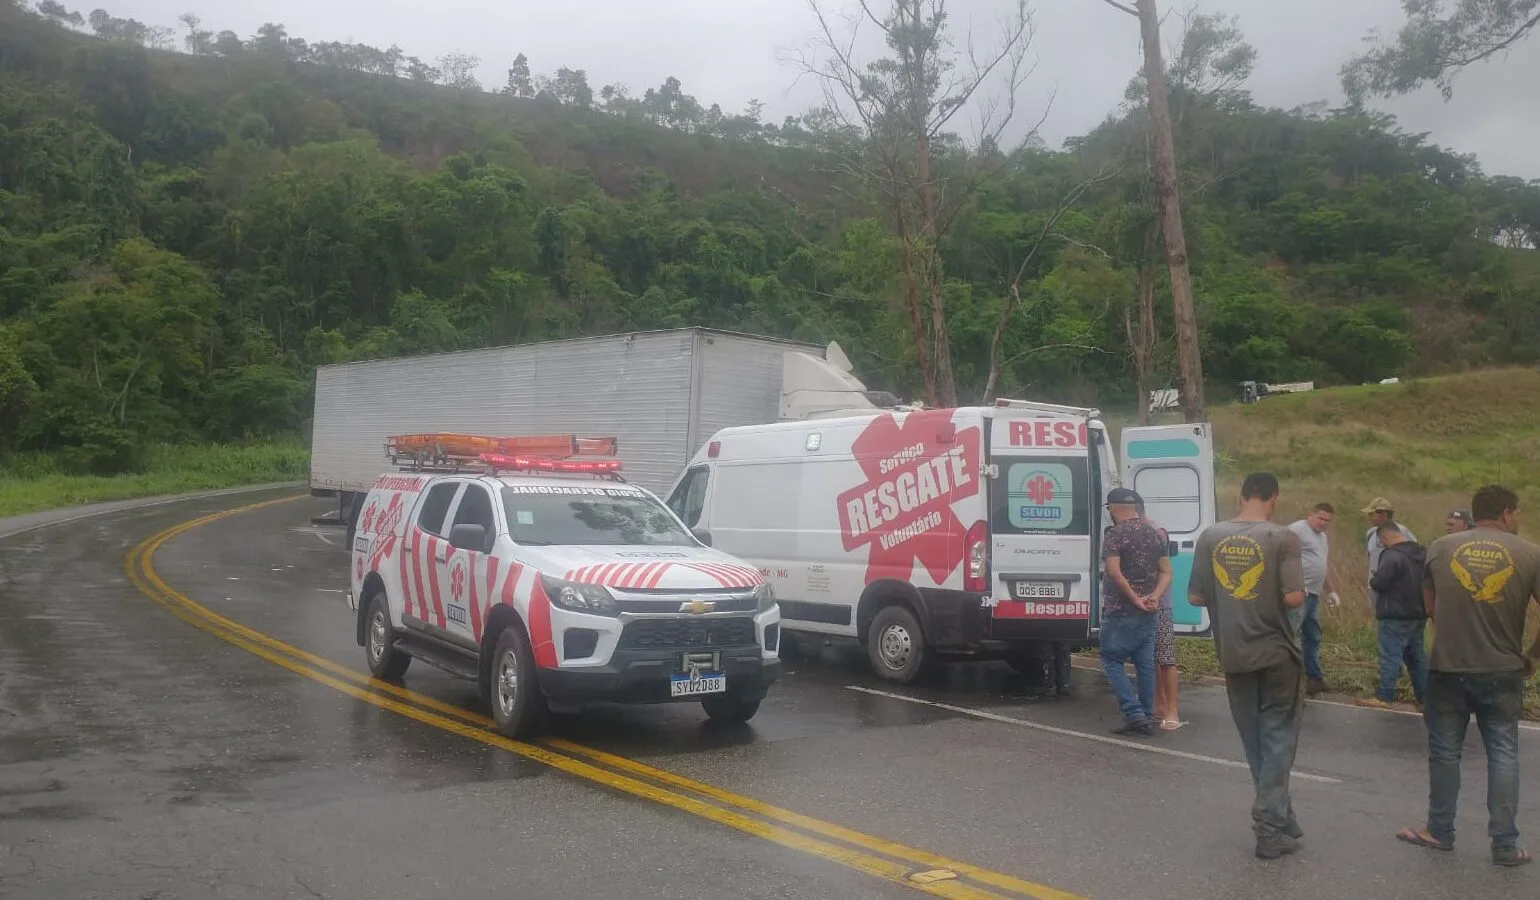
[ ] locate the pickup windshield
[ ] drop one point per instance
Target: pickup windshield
(594, 516)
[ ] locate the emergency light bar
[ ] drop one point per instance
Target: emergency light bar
(497, 462)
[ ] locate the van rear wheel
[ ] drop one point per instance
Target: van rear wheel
(896, 645)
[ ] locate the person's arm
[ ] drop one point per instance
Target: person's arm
(1199, 584)
(1162, 582)
(1386, 576)
(1427, 587)
(1291, 573)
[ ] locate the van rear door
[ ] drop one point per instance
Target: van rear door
(1172, 468)
(1042, 521)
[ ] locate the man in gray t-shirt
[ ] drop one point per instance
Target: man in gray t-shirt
(1247, 573)
(1314, 559)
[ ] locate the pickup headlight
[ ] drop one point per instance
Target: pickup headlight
(764, 597)
(584, 598)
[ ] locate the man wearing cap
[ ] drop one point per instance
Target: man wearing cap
(1457, 521)
(1136, 571)
(1379, 512)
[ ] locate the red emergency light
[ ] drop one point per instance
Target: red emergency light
(544, 464)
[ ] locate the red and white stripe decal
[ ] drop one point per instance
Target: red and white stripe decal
(727, 575)
(494, 565)
(406, 582)
(438, 602)
(475, 604)
(422, 595)
(540, 627)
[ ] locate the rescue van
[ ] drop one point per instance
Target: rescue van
(927, 534)
(529, 566)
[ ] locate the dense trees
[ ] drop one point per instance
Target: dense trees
(183, 237)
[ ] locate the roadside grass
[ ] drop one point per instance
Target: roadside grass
(1425, 445)
(34, 482)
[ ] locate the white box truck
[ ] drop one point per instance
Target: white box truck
(661, 393)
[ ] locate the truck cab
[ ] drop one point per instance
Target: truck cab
(955, 533)
(549, 581)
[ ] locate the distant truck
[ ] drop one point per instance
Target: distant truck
(661, 393)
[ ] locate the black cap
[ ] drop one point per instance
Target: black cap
(1123, 495)
(1460, 514)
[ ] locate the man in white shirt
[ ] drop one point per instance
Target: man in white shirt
(1313, 548)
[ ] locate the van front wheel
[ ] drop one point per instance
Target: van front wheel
(896, 645)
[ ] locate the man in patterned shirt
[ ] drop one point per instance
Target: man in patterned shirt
(1136, 572)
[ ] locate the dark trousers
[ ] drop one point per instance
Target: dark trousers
(1266, 706)
(1497, 702)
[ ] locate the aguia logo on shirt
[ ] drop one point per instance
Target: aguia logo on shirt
(1238, 565)
(1483, 568)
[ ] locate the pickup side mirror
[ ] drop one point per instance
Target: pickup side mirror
(468, 537)
(702, 535)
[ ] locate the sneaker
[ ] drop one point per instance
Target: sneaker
(1273, 846)
(1139, 727)
(1315, 686)
(1371, 703)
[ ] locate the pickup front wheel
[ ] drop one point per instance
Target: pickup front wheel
(518, 707)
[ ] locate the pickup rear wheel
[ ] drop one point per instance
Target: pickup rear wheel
(385, 661)
(518, 707)
(896, 645)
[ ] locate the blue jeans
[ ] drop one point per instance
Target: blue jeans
(1307, 622)
(1498, 703)
(1126, 638)
(1401, 642)
(1266, 706)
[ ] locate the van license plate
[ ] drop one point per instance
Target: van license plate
(688, 686)
(1040, 590)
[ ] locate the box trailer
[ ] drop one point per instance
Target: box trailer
(661, 393)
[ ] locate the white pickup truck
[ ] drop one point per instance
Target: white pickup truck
(557, 588)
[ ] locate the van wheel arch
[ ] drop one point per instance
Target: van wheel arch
(373, 584)
(499, 617)
(885, 593)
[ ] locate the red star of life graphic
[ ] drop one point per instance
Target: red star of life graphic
(385, 541)
(366, 524)
(360, 567)
(457, 582)
(1040, 490)
(903, 510)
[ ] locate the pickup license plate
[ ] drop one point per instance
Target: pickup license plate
(1040, 590)
(687, 686)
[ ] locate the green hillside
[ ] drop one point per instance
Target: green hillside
(185, 236)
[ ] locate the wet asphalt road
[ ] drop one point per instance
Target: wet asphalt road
(141, 757)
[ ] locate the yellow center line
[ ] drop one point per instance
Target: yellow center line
(937, 880)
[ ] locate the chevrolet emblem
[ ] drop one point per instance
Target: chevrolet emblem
(698, 606)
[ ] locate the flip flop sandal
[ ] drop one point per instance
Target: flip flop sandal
(1411, 836)
(1171, 724)
(1516, 858)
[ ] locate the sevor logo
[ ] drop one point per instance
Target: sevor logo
(903, 511)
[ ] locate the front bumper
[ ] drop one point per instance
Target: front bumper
(642, 676)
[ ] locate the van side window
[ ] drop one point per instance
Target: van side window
(435, 506)
(689, 499)
(476, 509)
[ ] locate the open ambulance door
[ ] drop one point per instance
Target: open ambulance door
(1172, 468)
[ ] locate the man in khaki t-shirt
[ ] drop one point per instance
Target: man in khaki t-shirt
(1477, 586)
(1247, 573)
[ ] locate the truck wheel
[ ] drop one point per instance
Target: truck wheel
(385, 661)
(518, 707)
(896, 645)
(731, 708)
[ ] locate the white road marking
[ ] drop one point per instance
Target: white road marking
(1069, 732)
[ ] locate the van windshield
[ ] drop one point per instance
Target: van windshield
(1048, 495)
(564, 516)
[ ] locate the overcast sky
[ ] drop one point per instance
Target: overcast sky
(729, 51)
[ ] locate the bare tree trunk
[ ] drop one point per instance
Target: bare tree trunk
(1189, 360)
(1141, 340)
(912, 299)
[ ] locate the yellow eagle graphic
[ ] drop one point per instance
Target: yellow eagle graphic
(1491, 586)
(1243, 588)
